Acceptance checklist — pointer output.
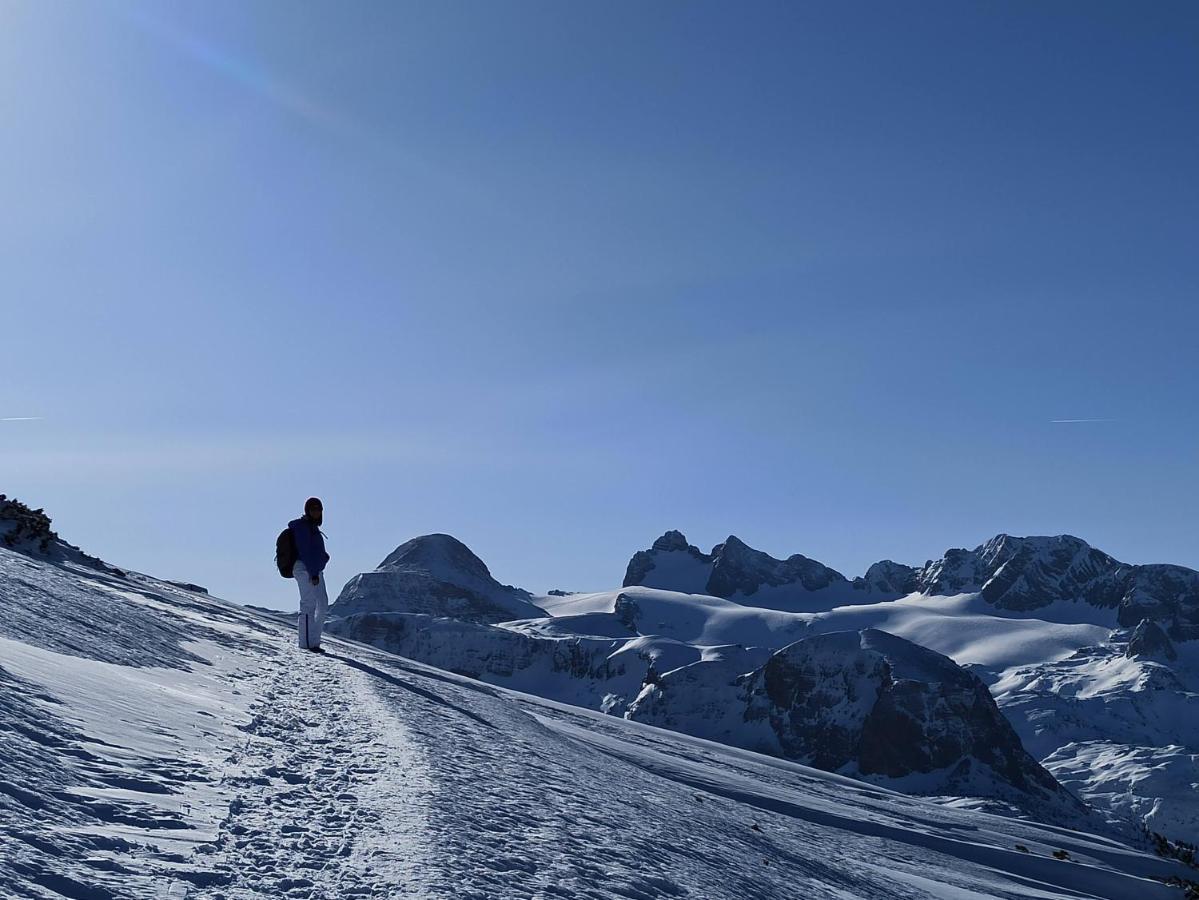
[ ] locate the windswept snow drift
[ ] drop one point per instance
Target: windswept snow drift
(162, 743)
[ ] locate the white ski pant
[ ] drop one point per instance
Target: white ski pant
(314, 603)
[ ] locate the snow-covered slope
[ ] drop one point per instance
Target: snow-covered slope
(436, 575)
(1111, 713)
(160, 743)
(868, 704)
(1026, 611)
(1049, 619)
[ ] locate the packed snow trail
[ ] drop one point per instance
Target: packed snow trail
(327, 793)
(159, 743)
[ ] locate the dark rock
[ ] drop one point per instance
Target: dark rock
(739, 569)
(888, 577)
(732, 569)
(1026, 574)
(1148, 640)
(868, 704)
(644, 561)
(28, 531)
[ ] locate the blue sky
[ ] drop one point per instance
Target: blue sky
(557, 277)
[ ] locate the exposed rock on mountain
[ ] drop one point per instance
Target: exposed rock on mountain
(1030, 573)
(1150, 641)
(28, 531)
(887, 577)
(1107, 712)
(25, 528)
(736, 571)
(435, 575)
(1018, 574)
(863, 703)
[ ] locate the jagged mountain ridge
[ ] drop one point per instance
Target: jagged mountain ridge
(1041, 604)
(735, 571)
(629, 657)
(1019, 574)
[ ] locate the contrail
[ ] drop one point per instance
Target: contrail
(20, 418)
(1074, 421)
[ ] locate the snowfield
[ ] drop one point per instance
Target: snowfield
(1092, 661)
(162, 743)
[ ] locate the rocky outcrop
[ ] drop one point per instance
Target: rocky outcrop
(1020, 574)
(734, 570)
(24, 528)
(435, 575)
(868, 704)
(888, 577)
(1148, 640)
(1024, 574)
(28, 531)
(737, 568)
(681, 563)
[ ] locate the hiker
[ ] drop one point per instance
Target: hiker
(308, 572)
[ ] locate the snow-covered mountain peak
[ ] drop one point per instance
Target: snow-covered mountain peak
(1033, 574)
(438, 554)
(672, 540)
(736, 571)
(888, 577)
(438, 575)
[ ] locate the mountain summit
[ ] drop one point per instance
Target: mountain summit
(1016, 574)
(437, 575)
(1023, 574)
(736, 571)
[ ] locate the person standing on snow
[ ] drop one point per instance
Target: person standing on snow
(308, 573)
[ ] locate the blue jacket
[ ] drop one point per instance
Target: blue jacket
(310, 545)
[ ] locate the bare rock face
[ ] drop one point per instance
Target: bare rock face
(1020, 574)
(867, 704)
(737, 568)
(685, 565)
(22, 528)
(1024, 574)
(435, 575)
(736, 571)
(888, 577)
(28, 531)
(1148, 640)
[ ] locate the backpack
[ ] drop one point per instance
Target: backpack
(285, 552)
